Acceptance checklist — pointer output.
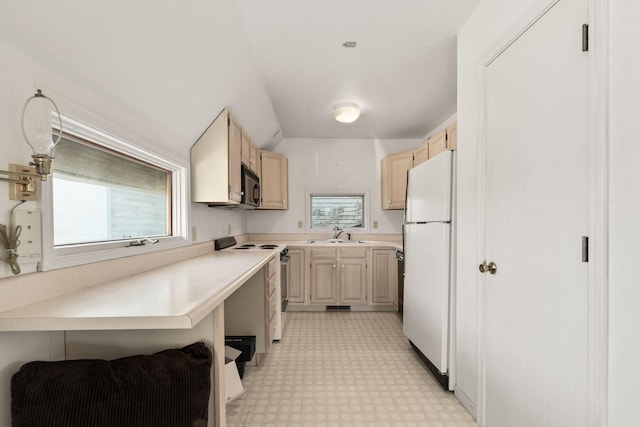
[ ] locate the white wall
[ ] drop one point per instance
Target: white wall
(19, 82)
(624, 284)
(332, 165)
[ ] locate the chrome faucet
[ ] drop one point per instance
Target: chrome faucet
(337, 231)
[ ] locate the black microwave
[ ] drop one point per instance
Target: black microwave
(250, 188)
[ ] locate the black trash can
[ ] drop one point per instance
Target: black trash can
(244, 343)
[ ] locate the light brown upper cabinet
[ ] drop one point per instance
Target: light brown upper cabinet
(250, 154)
(394, 179)
(421, 154)
(452, 136)
(445, 139)
(274, 182)
(215, 163)
(235, 147)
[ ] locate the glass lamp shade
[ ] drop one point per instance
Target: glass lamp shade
(37, 129)
(346, 113)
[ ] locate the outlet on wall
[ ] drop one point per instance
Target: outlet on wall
(299, 224)
(30, 247)
(229, 229)
(193, 234)
(375, 224)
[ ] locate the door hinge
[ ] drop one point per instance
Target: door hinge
(585, 249)
(585, 37)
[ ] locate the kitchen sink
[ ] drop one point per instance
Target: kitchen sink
(337, 241)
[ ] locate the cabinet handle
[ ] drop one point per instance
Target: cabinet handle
(284, 201)
(342, 265)
(334, 266)
(388, 202)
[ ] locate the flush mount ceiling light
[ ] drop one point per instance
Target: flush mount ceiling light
(346, 112)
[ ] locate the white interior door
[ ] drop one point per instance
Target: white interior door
(535, 306)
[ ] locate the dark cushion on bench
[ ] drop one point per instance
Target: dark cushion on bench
(169, 388)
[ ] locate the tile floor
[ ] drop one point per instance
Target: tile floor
(343, 369)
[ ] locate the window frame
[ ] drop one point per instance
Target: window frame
(332, 193)
(83, 253)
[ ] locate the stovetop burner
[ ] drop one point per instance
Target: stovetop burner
(230, 243)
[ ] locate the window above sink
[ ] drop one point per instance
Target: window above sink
(346, 211)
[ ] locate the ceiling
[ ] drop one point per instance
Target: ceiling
(164, 69)
(402, 71)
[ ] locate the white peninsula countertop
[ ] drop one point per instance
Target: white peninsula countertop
(176, 296)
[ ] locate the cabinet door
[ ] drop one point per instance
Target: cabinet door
(246, 143)
(394, 179)
(421, 154)
(254, 159)
(353, 281)
(452, 136)
(235, 148)
(295, 276)
(438, 143)
(274, 184)
(323, 281)
(249, 153)
(384, 276)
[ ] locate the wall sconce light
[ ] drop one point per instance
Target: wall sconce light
(37, 129)
(346, 113)
(39, 133)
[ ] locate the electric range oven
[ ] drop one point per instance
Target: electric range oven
(231, 244)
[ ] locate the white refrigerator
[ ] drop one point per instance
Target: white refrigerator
(429, 257)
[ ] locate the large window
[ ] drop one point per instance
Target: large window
(108, 198)
(100, 195)
(341, 210)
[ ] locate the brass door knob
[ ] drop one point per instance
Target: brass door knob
(491, 267)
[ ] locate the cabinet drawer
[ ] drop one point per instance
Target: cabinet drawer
(323, 253)
(353, 253)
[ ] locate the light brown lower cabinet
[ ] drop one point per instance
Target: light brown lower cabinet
(296, 276)
(385, 276)
(353, 276)
(338, 276)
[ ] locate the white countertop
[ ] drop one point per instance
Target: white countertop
(176, 296)
(340, 243)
